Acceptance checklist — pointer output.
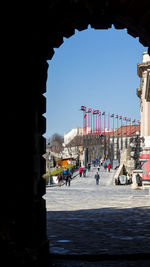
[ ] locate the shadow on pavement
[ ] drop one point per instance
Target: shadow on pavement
(99, 232)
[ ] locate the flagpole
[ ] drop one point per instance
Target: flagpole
(130, 127)
(121, 127)
(88, 121)
(93, 123)
(113, 126)
(100, 124)
(117, 126)
(83, 122)
(108, 124)
(96, 124)
(91, 120)
(104, 124)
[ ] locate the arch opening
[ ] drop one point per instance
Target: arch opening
(56, 248)
(23, 221)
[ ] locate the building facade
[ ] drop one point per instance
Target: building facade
(143, 93)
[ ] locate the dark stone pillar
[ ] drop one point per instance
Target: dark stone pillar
(23, 218)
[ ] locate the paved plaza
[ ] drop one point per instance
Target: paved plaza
(104, 219)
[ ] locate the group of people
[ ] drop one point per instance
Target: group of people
(104, 163)
(84, 169)
(66, 176)
(107, 166)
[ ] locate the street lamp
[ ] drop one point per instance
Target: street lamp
(49, 160)
(78, 153)
(61, 158)
(135, 144)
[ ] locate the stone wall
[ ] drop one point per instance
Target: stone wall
(28, 43)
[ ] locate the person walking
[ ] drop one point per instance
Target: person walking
(80, 171)
(108, 166)
(84, 172)
(59, 178)
(105, 166)
(97, 177)
(68, 179)
(89, 166)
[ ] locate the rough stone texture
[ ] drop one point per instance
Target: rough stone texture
(32, 31)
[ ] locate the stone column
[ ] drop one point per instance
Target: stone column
(143, 72)
(23, 238)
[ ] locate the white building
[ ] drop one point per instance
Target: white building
(71, 134)
(143, 93)
(72, 152)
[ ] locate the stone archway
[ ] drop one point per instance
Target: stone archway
(43, 26)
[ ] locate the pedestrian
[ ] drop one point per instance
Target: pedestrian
(97, 177)
(89, 166)
(68, 179)
(105, 166)
(80, 171)
(84, 172)
(98, 167)
(59, 178)
(109, 166)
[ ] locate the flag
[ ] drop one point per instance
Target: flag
(103, 113)
(112, 115)
(89, 110)
(99, 114)
(138, 121)
(83, 108)
(124, 118)
(95, 112)
(116, 117)
(120, 117)
(129, 119)
(134, 121)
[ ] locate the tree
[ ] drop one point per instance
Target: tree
(55, 143)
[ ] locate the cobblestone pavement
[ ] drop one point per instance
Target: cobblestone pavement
(108, 219)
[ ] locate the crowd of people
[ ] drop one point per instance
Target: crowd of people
(106, 165)
(66, 176)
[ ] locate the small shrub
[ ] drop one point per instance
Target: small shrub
(57, 171)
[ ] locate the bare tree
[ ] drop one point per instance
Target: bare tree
(55, 143)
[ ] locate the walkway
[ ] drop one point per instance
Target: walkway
(86, 219)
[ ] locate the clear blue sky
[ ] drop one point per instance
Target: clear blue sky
(94, 68)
